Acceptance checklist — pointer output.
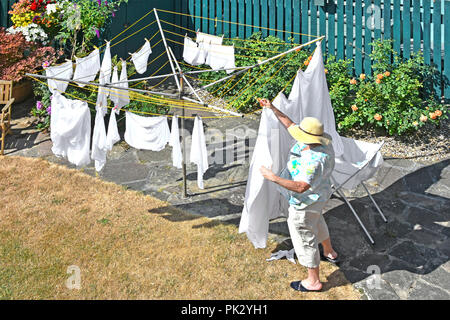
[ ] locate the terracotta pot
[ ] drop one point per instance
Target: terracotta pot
(21, 91)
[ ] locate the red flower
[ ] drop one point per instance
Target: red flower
(33, 6)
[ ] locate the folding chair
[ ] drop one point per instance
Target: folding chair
(359, 163)
(5, 115)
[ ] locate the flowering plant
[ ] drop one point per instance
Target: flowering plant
(36, 19)
(19, 56)
(398, 98)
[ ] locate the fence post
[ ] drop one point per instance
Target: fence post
(446, 75)
(437, 44)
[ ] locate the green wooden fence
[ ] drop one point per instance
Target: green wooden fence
(349, 26)
(5, 6)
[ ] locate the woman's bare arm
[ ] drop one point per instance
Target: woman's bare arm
(284, 119)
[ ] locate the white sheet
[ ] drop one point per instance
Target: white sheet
(199, 154)
(140, 58)
(263, 201)
(70, 129)
(64, 71)
(174, 142)
(87, 68)
(146, 133)
(315, 99)
(112, 136)
(221, 57)
(99, 147)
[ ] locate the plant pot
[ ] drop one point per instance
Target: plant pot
(22, 91)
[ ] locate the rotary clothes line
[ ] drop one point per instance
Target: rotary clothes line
(119, 91)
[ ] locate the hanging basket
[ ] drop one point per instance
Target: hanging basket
(22, 91)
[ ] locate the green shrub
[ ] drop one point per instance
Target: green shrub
(393, 100)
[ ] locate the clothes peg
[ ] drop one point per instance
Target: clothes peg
(146, 39)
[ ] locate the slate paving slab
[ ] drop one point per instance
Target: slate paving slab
(411, 251)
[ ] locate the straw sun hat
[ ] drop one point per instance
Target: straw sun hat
(310, 131)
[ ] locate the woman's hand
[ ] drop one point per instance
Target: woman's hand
(265, 103)
(267, 173)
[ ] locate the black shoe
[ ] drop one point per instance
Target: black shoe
(297, 285)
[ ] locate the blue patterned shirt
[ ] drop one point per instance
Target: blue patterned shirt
(313, 166)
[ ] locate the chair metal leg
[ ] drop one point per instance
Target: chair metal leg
(356, 216)
(373, 201)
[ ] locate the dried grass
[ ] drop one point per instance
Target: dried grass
(127, 245)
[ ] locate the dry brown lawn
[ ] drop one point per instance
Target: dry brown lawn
(128, 245)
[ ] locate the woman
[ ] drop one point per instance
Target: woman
(307, 181)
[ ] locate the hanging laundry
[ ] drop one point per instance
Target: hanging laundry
(140, 58)
(102, 95)
(221, 57)
(70, 129)
(114, 93)
(87, 68)
(199, 154)
(146, 133)
(290, 255)
(263, 201)
(190, 51)
(99, 147)
(124, 95)
(208, 38)
(63, 71)
(315, 99)
(120, 98)
(106, 65)
(174, 142)
(112, 136)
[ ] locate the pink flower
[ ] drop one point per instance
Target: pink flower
(45, 64)
(98, 33)
(38, 105)
(49, 110)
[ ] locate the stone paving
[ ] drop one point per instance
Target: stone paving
(411, 251)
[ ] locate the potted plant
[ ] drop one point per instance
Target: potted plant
(18, 57)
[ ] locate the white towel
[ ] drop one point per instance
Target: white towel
(208, 38)
(64, 71)
(146, 133)
(70, 129)
(114, 93)
(199, 154)
(106, 65)
(113, 132)
(190, 51)
(120, 97)
(221, 57)
(140, 58)
(177, 156)
(87, 68)
(102, 96)
(99, 147)
(124, 95)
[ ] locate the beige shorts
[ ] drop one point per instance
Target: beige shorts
(307, 228)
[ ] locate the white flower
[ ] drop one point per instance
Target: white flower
(51, 8)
